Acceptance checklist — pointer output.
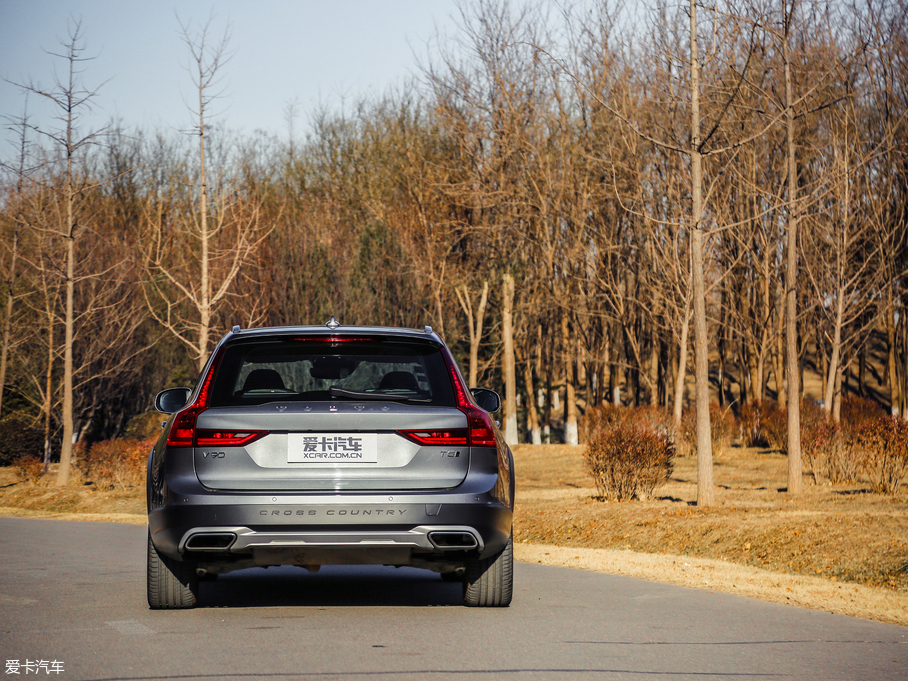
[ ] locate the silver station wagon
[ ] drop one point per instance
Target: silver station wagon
(327, 445)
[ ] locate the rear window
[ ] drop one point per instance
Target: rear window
(287, 369)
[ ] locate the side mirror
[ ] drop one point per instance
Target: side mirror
(488, 400)
(172, 400)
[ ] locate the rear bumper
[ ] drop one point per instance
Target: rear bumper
(195, 523)
(338, 522)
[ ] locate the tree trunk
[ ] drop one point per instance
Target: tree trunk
(48, 388)
(510, 378)
(891, 374)
(837, 395)
(833, 376)
(791, 279)
(204, 236)
(705, 491)
(681, 377)
(778, 371)
(571, 433)
(69, 320)
(474, 324)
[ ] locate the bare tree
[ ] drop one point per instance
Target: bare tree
(194, 251)
(71, 99)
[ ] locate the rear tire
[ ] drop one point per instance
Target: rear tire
(172, 584)
(489, 582)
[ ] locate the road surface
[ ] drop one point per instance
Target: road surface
(73, 594)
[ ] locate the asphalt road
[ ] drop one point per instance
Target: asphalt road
(74, 593)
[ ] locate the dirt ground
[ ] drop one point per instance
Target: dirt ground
(841, 549)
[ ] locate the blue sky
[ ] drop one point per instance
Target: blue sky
(327, 52)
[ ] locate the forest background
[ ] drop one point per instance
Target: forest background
(555, 196)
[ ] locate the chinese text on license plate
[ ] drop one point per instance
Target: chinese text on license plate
(332, 448)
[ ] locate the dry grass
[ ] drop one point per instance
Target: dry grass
(756, 540)
(20, 496)
(817, 593)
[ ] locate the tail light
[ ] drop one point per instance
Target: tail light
(227, 438)
(455, 437)
(480, 431)
(182, 430)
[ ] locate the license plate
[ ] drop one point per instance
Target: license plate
(332, 448)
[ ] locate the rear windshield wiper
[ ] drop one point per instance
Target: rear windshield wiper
(334, 391)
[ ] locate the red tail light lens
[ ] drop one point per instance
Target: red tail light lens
(455, 437)
(227, 438)
(482, 434)
(480, 431)
(182, 430)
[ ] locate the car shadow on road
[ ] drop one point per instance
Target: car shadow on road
(333, 585)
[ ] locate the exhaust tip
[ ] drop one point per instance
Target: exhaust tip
(453, 540)
(210, 541)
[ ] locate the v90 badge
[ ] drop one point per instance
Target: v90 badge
(214, 455)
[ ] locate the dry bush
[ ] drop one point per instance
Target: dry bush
(816, 445)
(847, 453)
(651, 417)
(811, 416)
(766, 424)
(845, 458)
(605, 416)
(838, 451)
(598, 418)
(112, 464)
(774, 426)
(723, 428)
(31, 468)
(628, 462)
(885, 444)
(752, 432)
(858, 412)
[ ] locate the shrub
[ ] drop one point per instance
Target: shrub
(845, 458)
(858, 412)
(816, 445)
(774, 426)
(834, 451)
(605, 416)
(885, 444)
(846, 451)
(110, 464)
(751, 425)
(628, 462)
(652, 418)
(598, 418)
(19, 437)
(32, 468)
(766, 424)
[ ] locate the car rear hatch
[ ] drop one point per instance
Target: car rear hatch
(325, 446)
(291, 413)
